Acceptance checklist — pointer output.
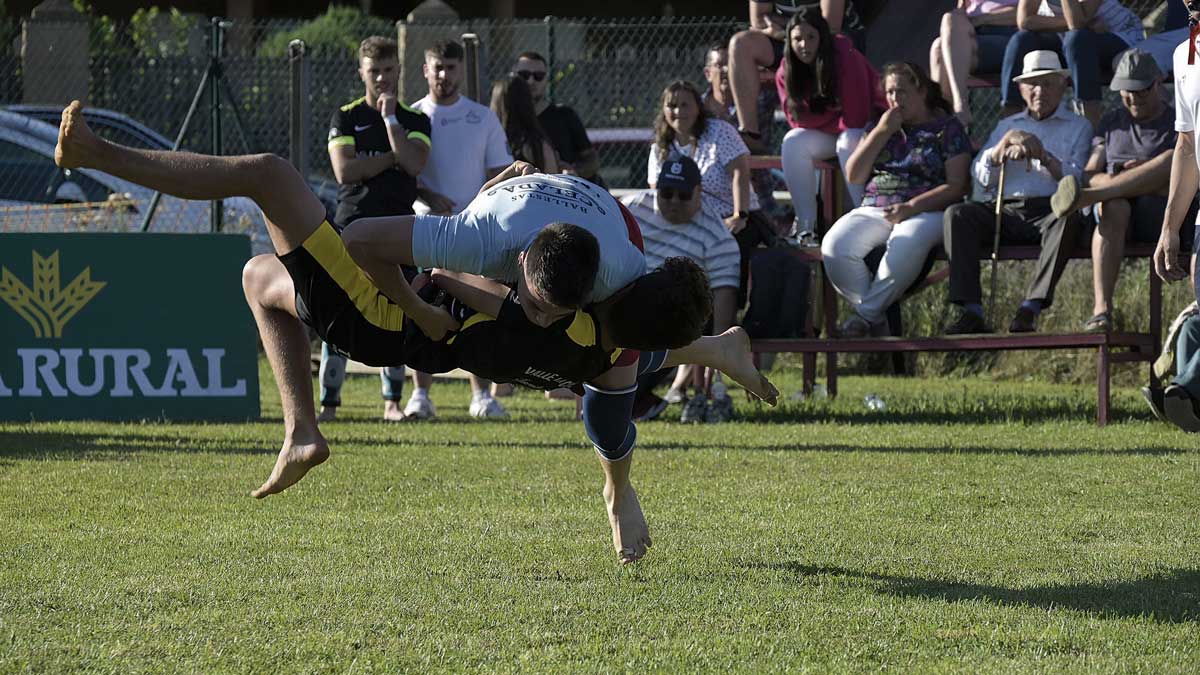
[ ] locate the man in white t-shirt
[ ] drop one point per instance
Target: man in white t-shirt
(473, 145)
(1178, 404)
(473, 148)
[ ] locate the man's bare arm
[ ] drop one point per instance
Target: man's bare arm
(1185, 179)
(481, 295)
(517, 168)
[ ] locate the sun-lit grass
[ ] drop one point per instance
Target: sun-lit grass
(970, 526)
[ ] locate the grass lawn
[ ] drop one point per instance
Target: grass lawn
(970, 526)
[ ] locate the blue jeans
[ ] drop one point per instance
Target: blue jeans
(991, 42)
(1187, 358)
(1085, 52)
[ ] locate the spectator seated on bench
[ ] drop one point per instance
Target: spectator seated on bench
(1128, 175)
(915, 163)
(973, 38)
(830, 92)
(1088, 33)
(1036, 148)
(673, 224)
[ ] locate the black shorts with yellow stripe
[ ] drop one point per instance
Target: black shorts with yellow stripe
(335, 297)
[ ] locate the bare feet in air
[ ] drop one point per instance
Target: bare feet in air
(392, 412)
(295, 459)
(631, 536)
(737, 361)
(76, 142)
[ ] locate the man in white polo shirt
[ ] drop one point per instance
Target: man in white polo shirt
(472, 149)
(1179, 402)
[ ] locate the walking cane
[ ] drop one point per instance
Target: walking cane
(996, 241)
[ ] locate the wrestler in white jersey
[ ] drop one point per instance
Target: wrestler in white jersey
(487, 237)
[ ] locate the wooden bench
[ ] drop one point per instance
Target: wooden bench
(1114, 347)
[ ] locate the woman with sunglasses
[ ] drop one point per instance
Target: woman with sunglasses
(513, 104)
(915, 162)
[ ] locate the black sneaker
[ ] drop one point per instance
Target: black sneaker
(966, 323)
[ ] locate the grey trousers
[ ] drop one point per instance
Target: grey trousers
(968, 229)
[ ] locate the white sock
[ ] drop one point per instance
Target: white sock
(420, 392)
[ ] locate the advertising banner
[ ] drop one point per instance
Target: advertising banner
(125, 326)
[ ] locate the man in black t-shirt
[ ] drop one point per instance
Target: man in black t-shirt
(377, 146)
(561, 124)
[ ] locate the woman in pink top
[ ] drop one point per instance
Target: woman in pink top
(973, 38)
(829, 92)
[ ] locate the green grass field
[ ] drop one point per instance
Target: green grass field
(972, 526)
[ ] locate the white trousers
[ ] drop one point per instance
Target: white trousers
(855, 234)
(800, 148)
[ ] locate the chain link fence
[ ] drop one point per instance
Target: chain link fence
(151, 69)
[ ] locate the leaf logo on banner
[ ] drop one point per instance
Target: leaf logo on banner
(49, 306)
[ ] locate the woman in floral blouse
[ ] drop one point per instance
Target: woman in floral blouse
(915, 162)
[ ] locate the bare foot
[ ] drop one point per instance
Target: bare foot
(392, 412)
(75, 140)
(735, 359)
(631, 536)
(294, 461)
(328, 413)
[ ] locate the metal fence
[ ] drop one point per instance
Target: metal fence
(150, 69)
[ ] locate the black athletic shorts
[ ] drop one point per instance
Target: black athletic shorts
(340, 303)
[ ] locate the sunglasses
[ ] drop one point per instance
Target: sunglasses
(528, 75)
(672, 194)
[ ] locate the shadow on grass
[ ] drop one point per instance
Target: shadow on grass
(1170, 597)
(59, 445)
(1026, 412)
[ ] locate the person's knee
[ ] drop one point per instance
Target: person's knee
(1114, 218)
(793, 140)
(357, 238)
(848, 140)
(1078, 43)
(743, 43)
(266, 172)
(257, 276)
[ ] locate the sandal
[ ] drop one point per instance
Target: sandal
(1100, 323)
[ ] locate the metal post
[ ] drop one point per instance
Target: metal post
(549, 21)
(298, 106)
(471, 63)
(214, 92)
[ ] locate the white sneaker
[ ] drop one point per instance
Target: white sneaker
(487, 407)
(420, 407)
(675, 396)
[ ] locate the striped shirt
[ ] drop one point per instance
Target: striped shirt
(705, 240)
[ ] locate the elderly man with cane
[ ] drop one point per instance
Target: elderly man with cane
(1036, 148)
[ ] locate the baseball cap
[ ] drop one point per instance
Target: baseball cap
(1135, 70)
(680, 173)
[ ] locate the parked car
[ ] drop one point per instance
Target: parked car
(121, 128)
(30, 179)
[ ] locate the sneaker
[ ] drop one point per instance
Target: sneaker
(487, 407)
(805, 240)
(720, 411)
(694, 411)
(1180, 408)
(675, 396)
(420, 408)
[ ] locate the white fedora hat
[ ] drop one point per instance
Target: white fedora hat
(1041, 62)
